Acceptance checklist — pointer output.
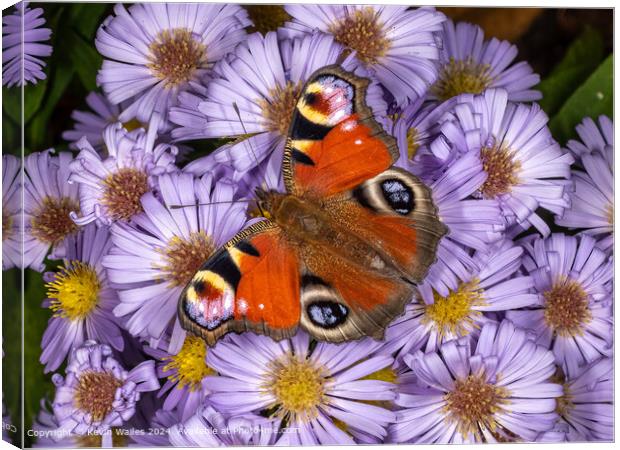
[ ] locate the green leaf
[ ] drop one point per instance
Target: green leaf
(86, 17)
(593, 98)
(11, 103)
(86, 60)
(37, 385)
(11, 345)
(37, 130)
(33, 96)
(581, 59)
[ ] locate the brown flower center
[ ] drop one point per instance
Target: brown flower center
(610, 214)
(95, 393)
(564, 403)
(267, 17)
(473, 404)
(123, 191)
(184, 257)
(460, 77)
(413, 143)
(51, 222)
(501, 169)
(278, 109)
(7, 225)
(566, 308)
(363, 33)
(175, 56)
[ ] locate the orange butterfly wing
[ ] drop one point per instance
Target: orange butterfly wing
(334, 143)
(252, 283)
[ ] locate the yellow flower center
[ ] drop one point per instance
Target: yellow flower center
(385, 374)
(610, 214)
(279, 107)
(95, 393)
(175, 56)
(363, 33)
(501, 169)
(298, 386)
(74, 292)
(473, 404)
(461, 77)
(51, 222)
(132, 124)
(185, 257)
(189, 366)
(122, 193)
(455, 313)
(267, 17)
(566, 308)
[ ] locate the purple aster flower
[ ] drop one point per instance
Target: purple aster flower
(468, 64)
(155, 257)
(592, 201)
(156, 51)
(265, 96)
(22, 47)
(526, 169)
(208, 428)
(397, 45)
(48, 434)
(322, 392)
(184, 372)
(414, 128)
(48, 203)
(111, 186)
(80, 298)
(473, 223)
(573, 316)
(586, 407)
(97, 392)
(435, 317)
(11, 212)
(497, 391)
(593, 137)
(91, 124)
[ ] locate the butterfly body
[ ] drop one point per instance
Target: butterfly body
(340, 251)
(319, 235)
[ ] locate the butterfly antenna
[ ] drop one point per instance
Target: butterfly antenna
(245, 131)
(242, 200)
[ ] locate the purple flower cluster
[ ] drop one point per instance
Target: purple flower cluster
(510, 335)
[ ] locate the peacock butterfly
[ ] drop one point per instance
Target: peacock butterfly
(338, 254)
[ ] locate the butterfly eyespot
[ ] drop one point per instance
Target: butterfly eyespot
(310, 98)
(327, 314)
(398, 196)
(199, 287)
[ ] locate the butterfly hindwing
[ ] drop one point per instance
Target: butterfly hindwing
(251, 284)
(398, 207)
(344, 300)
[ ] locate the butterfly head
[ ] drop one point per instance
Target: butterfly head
(267, 203)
